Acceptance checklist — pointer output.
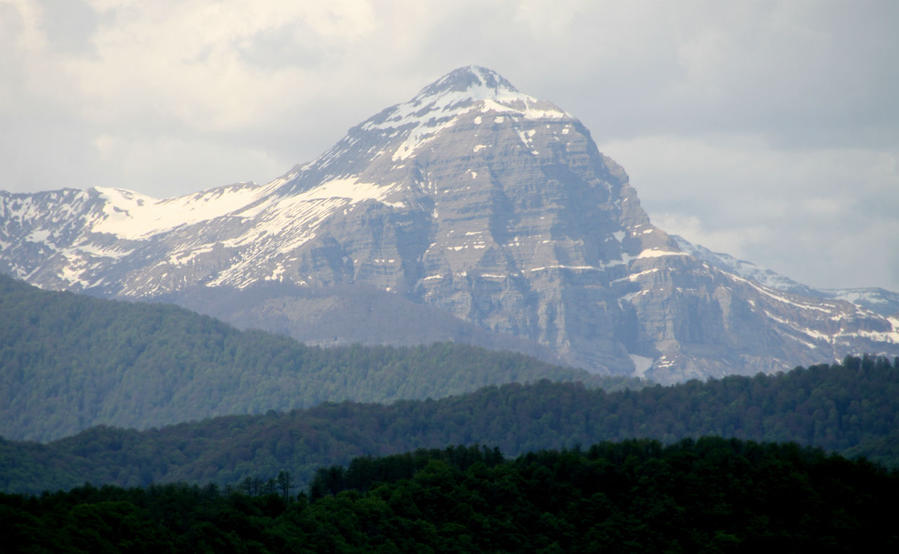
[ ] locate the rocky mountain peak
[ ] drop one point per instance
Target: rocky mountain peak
(463, 98)
(457, 93)
(473, 79)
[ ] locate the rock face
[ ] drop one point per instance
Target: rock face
(474, 203)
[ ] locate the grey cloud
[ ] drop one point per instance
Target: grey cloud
(69, 25)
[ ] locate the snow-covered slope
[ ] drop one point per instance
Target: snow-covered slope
(877, 300)
(743, 268)
(881, 301)
(473, 199)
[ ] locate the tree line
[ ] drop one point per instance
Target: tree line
(704, 495)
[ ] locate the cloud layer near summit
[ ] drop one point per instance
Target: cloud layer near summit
(768, 130)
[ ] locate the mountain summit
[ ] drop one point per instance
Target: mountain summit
(469, 79)
(471, 212)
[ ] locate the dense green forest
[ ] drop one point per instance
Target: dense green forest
(850, 408)
(69, 362)
(707, 495)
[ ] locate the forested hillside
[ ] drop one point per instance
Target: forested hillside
(851, 408)
(69, 362)
(709, 495)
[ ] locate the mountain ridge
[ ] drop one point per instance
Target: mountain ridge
(875, 299)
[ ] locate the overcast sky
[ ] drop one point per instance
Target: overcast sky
(768, 130)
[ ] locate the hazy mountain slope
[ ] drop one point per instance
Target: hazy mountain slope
(852, 408)
(68, 362)
(473, 198)
(880, 301)
(344, 314)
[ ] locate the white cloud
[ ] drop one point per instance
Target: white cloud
(180, 166)
(183, 60)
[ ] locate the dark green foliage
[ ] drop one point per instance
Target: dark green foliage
(69, 362)
(705, 495)
(851, 408)
(365, 472)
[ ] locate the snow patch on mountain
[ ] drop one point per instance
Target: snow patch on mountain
(421, 134)
(131, 215)
(346, 190)
(656, 253)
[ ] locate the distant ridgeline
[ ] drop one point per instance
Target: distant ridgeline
(709, 495)
(69, 362)
(850, 408)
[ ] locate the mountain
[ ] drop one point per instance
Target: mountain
(851, 408)
(475, 200)
(69, 362)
